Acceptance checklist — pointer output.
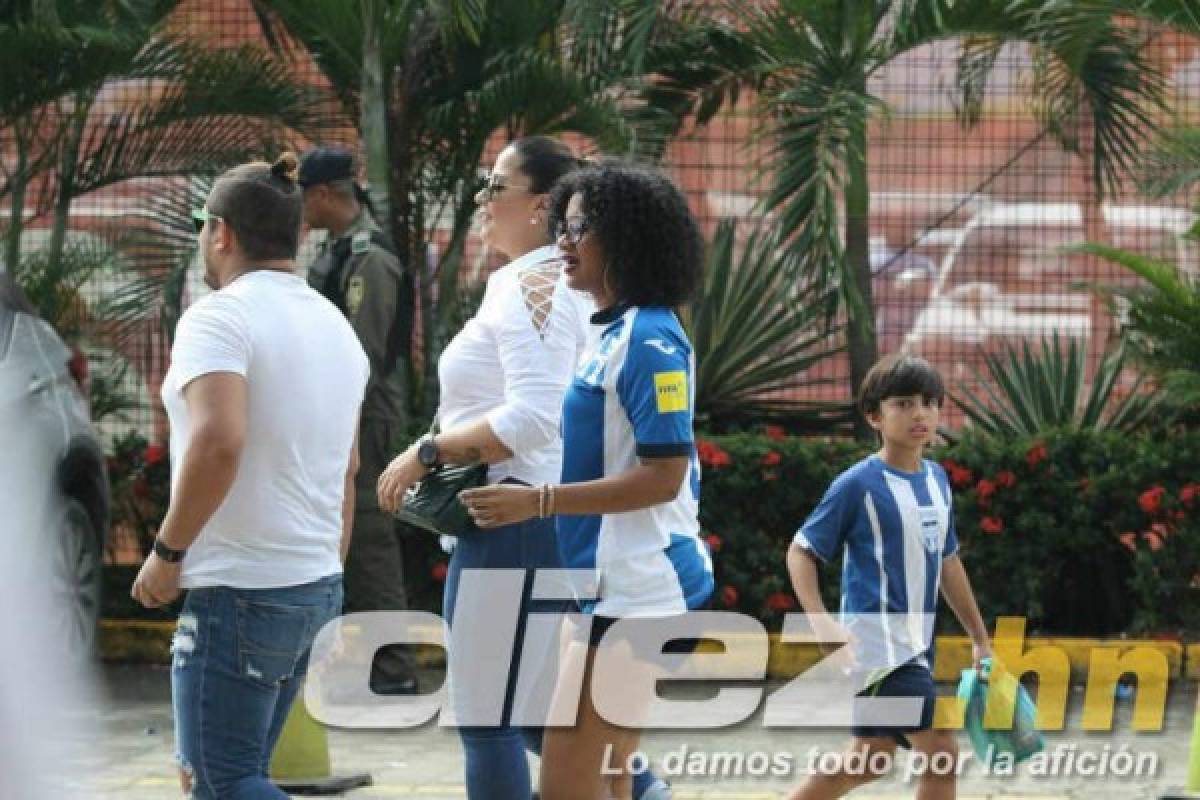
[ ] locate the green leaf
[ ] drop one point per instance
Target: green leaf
(749, 357)
(1029, 393)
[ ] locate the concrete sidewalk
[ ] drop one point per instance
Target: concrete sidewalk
(133, 760)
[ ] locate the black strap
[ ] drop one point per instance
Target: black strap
(400, 336)
(341, 251)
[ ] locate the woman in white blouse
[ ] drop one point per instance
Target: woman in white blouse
(502, 380)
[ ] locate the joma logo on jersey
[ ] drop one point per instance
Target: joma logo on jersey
(670, 390)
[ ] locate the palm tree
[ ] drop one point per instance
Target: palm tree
(426, 84)
(814, 59)
(96, 94)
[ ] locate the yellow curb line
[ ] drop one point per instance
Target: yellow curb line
(149, 641)
(954, 655)
(1191, 661)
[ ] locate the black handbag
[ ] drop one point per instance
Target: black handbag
(433, 505)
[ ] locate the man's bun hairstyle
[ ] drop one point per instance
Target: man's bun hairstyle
(286, 167)
(263, 205)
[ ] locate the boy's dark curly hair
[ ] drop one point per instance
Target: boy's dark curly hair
(644, 227)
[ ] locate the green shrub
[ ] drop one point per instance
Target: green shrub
(1081, 532)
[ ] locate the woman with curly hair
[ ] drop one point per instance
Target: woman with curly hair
(629, 493)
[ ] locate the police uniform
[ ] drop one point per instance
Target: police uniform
(358, 272)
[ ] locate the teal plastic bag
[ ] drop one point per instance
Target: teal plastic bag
(1022, 739)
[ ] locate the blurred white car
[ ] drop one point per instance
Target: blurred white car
(66, 512)
(1005, 274)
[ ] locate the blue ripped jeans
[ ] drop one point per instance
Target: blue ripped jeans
(238, 659)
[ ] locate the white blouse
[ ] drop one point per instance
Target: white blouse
(512, 362)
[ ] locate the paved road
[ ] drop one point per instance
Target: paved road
(133, 759)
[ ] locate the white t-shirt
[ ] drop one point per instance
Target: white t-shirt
(281, 523)
(513, 360)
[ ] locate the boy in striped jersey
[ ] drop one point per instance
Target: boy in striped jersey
(891, 516)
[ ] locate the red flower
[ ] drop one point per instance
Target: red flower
(1155, 541)
(714, 542)
(154, 454)
(711, 455)
(991, 525)
(775, 432)
(781, 601)
(1162, 529)
(1129, 540)
(1150, 500)
(1006, 479)
(1189, 493)
(1036, 455)
(729, 596)
(984, 491)
(960, 476)
(771, 459)
(438, 572)
(1085, 484)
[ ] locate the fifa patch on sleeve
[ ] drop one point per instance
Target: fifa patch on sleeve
(670, 391)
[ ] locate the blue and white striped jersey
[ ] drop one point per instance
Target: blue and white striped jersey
(633, 395)
(895, 528)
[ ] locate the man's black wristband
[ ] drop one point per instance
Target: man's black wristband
(168, 554)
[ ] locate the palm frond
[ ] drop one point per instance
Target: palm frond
(1030, 392)
(84, 56)
(1180, 15)
(748, 354)
(158, 248)
(218, 109)
(1160, 317)
(1088, 63)
(331, 33)
(54, 285)
(537, 93)
(1172, 164)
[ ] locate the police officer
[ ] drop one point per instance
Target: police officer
(358, 270)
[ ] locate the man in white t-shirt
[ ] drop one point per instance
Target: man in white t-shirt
(263, 395)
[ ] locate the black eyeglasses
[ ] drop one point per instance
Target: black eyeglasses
(573, 230)
(491, 188)
(201, 216)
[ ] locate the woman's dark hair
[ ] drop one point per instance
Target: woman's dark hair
(649, 238)
(263, 205)
(544, 160)
(899, 375)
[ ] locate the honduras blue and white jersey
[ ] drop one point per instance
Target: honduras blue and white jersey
(633, 395)
(895, 528)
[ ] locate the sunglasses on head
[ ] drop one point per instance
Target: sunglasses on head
(493, 187)
(200, 216)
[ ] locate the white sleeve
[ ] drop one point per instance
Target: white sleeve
(537, 339)
(212, 336)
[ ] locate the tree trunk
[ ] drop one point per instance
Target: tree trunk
(16, 212)
(860, 303)
(373, 114)
(67, 166)
(408, 206)
(1095, 229)
(374, 110)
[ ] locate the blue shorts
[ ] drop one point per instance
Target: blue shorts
(909, 680)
